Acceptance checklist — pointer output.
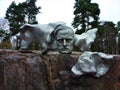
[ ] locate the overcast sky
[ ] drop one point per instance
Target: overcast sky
(62, 10)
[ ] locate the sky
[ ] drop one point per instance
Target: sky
(62, 10)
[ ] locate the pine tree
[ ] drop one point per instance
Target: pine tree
(15, 16)
(20, 14)
(84, 12)
(31, 10)
(118, 35)
(106, 38)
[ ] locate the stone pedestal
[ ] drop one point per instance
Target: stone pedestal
(28, 70)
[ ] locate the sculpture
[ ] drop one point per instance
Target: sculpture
(83, 42)
(95, 63)
(43, 33)
(34, 33)
(64, 38)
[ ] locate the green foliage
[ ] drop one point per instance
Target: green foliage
(5, 44)
(118, 26)
(31, 10)
(15, 16)
(106, 38)
(18, 14)
(84, 12)
(118, 36)
(4, 35)
(2, 32)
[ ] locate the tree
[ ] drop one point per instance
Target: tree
(4, 29)
(31, 10)
(106, 38)
(118, 25)
(86, 15)
(118, 36)
(20, 14)
(15, 15)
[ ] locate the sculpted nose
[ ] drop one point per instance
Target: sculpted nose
(64, 42)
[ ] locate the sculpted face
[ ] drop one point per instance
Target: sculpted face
(64, 40)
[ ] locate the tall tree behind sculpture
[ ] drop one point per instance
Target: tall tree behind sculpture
(31, 10)
(22, 13)
(15, 16)
(84, 12)
(118, 29)
(106, 38)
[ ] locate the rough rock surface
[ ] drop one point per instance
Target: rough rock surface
(28, 70)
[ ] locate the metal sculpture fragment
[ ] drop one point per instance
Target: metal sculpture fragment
(35, 33)
(95, 63)
(83, 42)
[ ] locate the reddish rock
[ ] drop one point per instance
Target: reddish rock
(28, 70)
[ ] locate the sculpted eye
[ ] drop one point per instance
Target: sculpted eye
(68, 40)
(60, 40)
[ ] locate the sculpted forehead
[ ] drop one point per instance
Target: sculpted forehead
(65, 33)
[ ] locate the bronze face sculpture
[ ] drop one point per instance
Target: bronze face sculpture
(64, 37)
